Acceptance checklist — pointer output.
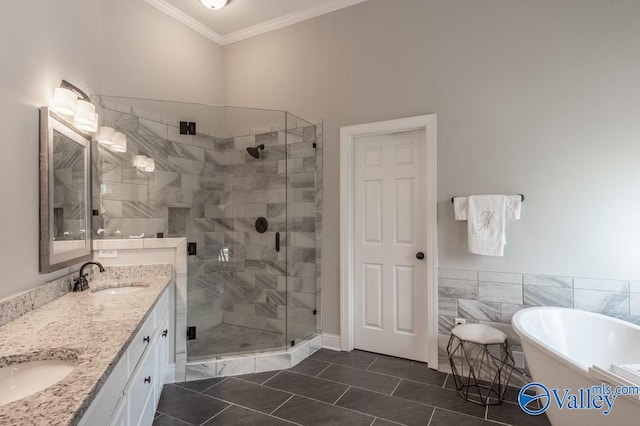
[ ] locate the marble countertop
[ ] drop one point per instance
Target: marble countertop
(89, 328)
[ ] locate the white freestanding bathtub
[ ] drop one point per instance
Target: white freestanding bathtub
(563, 345)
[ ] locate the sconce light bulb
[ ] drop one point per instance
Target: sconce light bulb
(150, 165)
(140, 162)
(119, 142)
(64, 101)
(105, 136)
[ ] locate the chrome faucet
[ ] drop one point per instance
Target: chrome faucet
(81, 283)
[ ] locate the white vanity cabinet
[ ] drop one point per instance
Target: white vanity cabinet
(130, 395)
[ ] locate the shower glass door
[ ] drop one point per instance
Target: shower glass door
(301, 236)
(237, 293)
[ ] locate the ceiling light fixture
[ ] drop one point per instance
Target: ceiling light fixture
(214, 4)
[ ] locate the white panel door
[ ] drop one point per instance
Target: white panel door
(389, 232)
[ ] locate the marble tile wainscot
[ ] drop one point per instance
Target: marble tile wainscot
(494, 297)
(153, 251)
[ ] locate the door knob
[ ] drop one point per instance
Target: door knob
(420, 255)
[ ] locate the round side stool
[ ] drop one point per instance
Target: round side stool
(481, 363)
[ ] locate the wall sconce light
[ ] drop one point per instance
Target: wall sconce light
(105, 136)
(144, 163)
(64, 101)
(214, 4)
(119, 142)
(115, 141)
(72, 102)
(86, 117)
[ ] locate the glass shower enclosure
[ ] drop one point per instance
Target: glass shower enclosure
(240, 185)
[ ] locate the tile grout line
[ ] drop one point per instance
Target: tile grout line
(346, 408)
(217, 414)
(323, 370)
(279, 406)
(263, 413)
(384, 394)
(376, 372)
(224, 379)
(431, 418)
(396, 388)
(366, 389)
(341, 395)
(170, 416)
(348, 385)
(371, 363)
(446, 379)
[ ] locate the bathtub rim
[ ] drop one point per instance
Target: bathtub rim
(538, 344)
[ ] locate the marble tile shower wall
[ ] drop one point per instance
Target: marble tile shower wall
(494, 297)
(259, 295)
(211, 190)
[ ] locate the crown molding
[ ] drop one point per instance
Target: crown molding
(274, 24)
(290, 19)
(187, 20)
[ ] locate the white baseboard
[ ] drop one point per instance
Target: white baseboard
(170, 374)
(331, 341)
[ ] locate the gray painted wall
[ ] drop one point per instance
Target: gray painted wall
(538, 97)
(113, 46)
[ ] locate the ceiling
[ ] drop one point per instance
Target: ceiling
(242, 19)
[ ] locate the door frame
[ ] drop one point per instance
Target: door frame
(348, 134)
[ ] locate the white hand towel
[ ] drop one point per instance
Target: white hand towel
(514, 206)
(486, 216)
(460, 205)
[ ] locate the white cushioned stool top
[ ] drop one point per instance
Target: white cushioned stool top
(479, 333)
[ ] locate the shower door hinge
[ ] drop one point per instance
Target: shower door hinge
(315, 312)
(191, 333)
(191, 249)
(314, 145)
(187, 128)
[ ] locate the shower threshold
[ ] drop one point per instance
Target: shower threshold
(256, 362)
(226, 340)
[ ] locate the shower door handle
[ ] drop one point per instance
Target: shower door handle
(277, 241)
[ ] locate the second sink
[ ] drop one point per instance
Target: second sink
(120, 288)
(20, 380)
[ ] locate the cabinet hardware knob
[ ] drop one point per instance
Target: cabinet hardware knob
(146, 339)
(420, 255)
(147, 379)
(164, 332)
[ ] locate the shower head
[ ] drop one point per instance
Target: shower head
(255, 151)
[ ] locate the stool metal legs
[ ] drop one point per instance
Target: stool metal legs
(481, 372)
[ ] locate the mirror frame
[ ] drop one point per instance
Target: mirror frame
(49, 121)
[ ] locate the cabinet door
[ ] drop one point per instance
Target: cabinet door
(162, 341)
(141, 386)
(120, 417)
(105, 403)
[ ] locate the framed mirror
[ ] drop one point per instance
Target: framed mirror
(65, 202)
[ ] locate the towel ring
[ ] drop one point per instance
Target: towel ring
(521, 197)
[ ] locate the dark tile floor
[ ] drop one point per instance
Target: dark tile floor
(334, 388)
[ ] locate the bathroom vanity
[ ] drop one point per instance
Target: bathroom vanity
(117, 337)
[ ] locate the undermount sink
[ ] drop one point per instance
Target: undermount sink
(121, 288)
(21, 380)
